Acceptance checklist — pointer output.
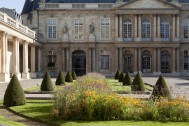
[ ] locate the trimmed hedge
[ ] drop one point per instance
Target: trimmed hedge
(60, 79)
(68, 77)
(74, 76)
(117, 75)
(46, 84)
(161, 89)
(121, 76)
(127, 79)
(137, 84)
(14, 94)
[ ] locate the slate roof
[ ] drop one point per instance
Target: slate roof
(33, 4)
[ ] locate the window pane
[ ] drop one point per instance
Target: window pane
(105, 28)
(105, 62)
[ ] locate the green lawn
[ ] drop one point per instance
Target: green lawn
(41, 110)
(6, 122)
(118, 87)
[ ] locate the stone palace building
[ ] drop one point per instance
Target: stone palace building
(149, 36)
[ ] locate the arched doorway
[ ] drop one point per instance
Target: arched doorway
(146, 62)
(127, 61)
(79, 62)
(165, 62)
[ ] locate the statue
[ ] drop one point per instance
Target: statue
(66, 29)
(91, 28)
(42, 1)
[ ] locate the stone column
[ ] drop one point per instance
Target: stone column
(155, 27)
(93, 60)
(4, 48)
(139, 28)
(120, 59)
(116, 27)
(178, 60)
(158, 28)
(135, 28)
(63, 60)
(39, 59)
(67, 60)
(33, 72)
(173, 61)
(25, 74)
(173, 27)
(139, 59)
(116, 58)
(89, 62)
(120, 28)
(135, 61)
(178, 28)
(154, 69)
(158, 61)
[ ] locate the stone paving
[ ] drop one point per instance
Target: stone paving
(178, 86)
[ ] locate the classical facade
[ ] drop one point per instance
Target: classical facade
(150, 36)
(17, 47)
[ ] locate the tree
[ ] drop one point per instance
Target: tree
(121, 77)
(127, 79)
(46, 84)
(161, 89)
(68, 77)
(74, 76)
(14, 94)
(117, 75)
(138, 84)
(60, 79)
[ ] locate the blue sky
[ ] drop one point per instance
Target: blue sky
(13, 4)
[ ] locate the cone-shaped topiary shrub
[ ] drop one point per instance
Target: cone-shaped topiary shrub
(137, 84)
(161, 89)
(14, 94)
(68, 77)
(117, 75)
(74, 76)
(127, 79)
(46, 84)
(121, 76)
(60, 79)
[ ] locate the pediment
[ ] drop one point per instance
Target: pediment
(148, 4)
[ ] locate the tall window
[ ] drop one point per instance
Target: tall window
(105, 28)
(128, 65)
(145, 28)
(105, 62)
(164, 28)
(127, 28)
(78, 28)
(165, 65)
(186, 60)
(186, 28)
(52, 59)
(52, 24)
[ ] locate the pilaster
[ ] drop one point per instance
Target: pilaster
(33, 69)
(25, 74)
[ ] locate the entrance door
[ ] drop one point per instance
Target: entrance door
(165, 62)
(127, 62)
(79, 62)
(146, 62)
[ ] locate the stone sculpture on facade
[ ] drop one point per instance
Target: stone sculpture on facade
(92, 34)
(65, 33)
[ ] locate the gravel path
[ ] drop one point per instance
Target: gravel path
(16, 118)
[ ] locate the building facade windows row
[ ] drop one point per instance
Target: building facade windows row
(79, 28)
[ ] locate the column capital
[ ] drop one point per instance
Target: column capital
(15, 38)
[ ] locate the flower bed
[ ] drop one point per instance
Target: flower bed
(91, 98)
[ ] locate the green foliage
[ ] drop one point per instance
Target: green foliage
(137, 84)
(46, 84)
(127, 79)
(161, 89)
(14, 94)
(68, 77)
(60, 79)
(121, 77)
(117, 75)
(74, 76)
